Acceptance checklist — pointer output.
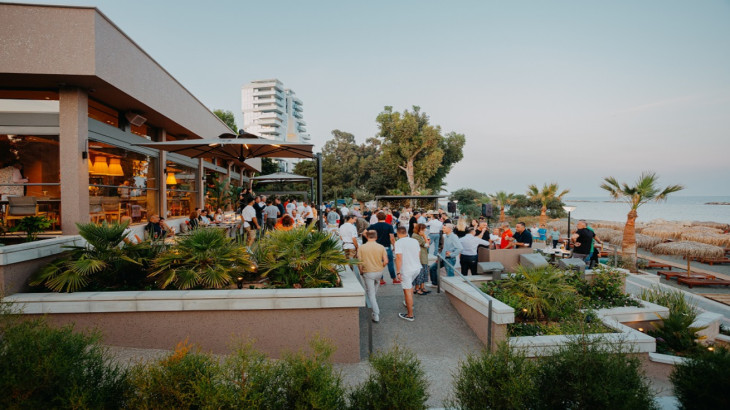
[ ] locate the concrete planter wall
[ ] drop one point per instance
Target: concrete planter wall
(473, 307)
(19, 262)
(278, 320)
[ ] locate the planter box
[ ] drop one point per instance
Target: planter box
(473, 308)
(19, 262)
(278, 320)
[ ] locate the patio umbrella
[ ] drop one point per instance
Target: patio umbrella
(708, 238)
(283, 177)
(234, 148)
(689, 250)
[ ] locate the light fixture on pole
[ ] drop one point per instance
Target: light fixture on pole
(568, 209)
(171, 180)
(100, 165)
(456, 204)
(115, 167)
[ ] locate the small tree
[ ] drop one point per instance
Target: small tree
(544, 196)
(502, 199)
(644, 190)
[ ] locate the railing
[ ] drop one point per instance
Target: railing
(369, 307)
(487, 297)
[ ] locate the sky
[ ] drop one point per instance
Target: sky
(561, 91)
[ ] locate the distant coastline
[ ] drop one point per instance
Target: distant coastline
(717, 203)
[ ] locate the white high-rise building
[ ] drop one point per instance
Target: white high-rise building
(273, 112)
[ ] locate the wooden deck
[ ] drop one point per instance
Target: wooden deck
(702, 282)
(674, 274)
(717, 297)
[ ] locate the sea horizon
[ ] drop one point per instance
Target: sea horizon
(675, 208)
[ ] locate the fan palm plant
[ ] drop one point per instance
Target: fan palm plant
(301, 257)
(502, 199)
(545, 195)
(106, 261)
(644, 190)
(205, 258)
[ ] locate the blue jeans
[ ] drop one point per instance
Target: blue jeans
(435, 238)
(391, 262)
(449, 265)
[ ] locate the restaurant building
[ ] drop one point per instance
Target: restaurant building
(75, 94)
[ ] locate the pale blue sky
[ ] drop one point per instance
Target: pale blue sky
(565, 91)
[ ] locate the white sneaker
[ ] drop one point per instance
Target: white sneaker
(376, 318)
(431, 285)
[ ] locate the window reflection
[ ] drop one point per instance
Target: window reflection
(181, 188)
(122, 184)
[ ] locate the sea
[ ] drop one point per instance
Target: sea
(675, 208)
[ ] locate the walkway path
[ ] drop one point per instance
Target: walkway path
(438, 336)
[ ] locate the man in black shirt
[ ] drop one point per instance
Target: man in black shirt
(583, 239)
(386, 237)
(522, 237)
(413, 221)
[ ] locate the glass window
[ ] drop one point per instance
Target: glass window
(182, 186)
(30, 167)
(122, 184)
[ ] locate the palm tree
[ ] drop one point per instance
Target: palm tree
(502, 199)
(545, 195)
(643, 191)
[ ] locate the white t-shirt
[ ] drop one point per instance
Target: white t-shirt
(289, 207)
(300, 210)
(308, 212)
(347, 232)
(248, 214)
(373, 219)
(344, 210)
(411, 250)
(434, 226)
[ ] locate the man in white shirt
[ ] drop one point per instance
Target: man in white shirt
(434, 232)
(307, 215)
(348, 233)
(422, 218)
(408, 266)
(292, 205)
(344, 210)
(250, 224)
(469, 254)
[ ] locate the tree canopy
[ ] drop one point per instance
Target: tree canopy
(227, 117)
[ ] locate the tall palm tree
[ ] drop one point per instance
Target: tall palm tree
(545, 195)
(643, 191)
(502, 199)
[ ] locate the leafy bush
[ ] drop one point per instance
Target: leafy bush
(183, 379)
(592, 375)
(604, 290)
(301, 257)
(107, 261)
(45, 367)
(702, 381)
(538, 294)
(577, 323)
(33, 225)
(503, 379)
(397, 382)
(189, 379)
(206, 258)
(674, 335)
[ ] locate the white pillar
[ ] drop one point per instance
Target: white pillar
(73, 140)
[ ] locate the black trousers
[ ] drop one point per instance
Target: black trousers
(469, 262)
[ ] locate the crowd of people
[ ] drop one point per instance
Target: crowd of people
(397, 243)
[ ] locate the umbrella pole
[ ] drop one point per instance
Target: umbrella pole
(688, 267)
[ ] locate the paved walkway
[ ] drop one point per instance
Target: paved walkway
(438, 336)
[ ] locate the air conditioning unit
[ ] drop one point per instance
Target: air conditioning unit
(135, 119)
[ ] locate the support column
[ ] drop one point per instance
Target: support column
(162, 177)
(201, 185)
(73, 140)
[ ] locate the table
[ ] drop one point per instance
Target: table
(554, 252)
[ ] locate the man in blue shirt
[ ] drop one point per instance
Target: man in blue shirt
(452, 248)
(386, 237)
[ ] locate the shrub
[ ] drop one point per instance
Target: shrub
(33, 225)
(702, 381)
(45, 367)
(183, 379)
(107, 261)
(206, 258)
(592, 375)
(301, 257)
(538, 294)
(674, 335)
(604, 290)
(503, 379)
(397, 382)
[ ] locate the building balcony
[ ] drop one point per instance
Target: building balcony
(297, 107)
(272, 114)
(270, 108)
(298, 114)
(305, 137)
(272, 122)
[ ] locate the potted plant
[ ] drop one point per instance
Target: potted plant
(33, 225)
